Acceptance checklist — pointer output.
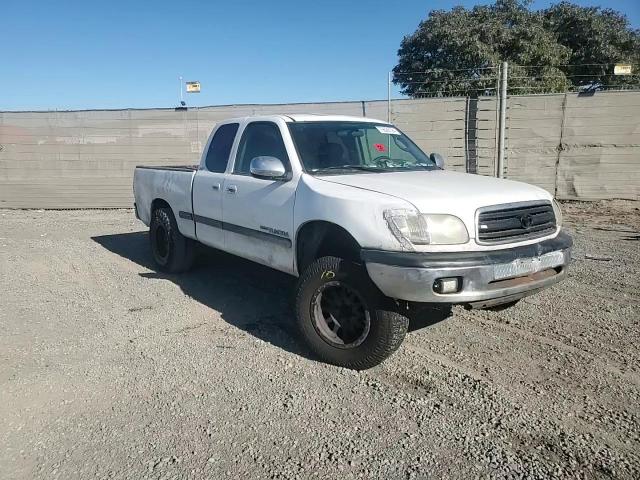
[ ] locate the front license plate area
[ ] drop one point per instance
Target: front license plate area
(526, 266)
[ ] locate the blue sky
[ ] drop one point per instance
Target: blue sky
(121, 54)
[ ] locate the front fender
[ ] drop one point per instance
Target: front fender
(358, 211)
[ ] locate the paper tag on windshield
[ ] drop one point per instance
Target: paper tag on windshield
(387, 130)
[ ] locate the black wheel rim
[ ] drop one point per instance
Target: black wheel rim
(340, 315)
(161, 242)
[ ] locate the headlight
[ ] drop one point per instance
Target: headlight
(412, 228)
(446, 229)
(558, 213)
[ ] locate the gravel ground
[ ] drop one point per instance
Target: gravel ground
(110, 369)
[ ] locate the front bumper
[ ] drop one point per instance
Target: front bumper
(483, 282)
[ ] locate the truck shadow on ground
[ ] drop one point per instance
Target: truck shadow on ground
(249, 296)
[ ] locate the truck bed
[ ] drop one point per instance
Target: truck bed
(177, 168)
(171, 183)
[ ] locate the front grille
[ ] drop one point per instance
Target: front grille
(515, 222)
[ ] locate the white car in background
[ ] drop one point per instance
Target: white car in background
(366, 220)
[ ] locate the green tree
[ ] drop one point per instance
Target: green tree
(456, 52)
(596, 38)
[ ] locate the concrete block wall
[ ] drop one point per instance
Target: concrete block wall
(580, 147)
(533, 132)
(574, 146)
(86, 159)
(600, 154)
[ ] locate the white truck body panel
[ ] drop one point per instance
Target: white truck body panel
(260, 219)
(318, 198)
(173, 185)
(443, 192)
(208, 188)
(259, 215)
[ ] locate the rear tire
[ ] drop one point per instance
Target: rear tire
(172, 251)
(343, 317)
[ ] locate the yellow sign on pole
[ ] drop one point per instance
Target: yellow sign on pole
(622, 70)
(193, 87)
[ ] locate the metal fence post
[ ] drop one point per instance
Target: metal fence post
(503, 118)
(561, 146)
(389, 98)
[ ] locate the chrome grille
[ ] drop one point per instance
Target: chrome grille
(515, 222)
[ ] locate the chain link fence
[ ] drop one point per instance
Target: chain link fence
(582, 78)
(484, 81)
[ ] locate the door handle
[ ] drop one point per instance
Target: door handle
(232, 189)
(216, 186)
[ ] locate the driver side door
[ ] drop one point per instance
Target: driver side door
(258, 212)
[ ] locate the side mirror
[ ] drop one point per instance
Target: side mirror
(267, 167)
(437, 159)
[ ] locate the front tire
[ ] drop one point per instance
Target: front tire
(172, 251)
(343, 317)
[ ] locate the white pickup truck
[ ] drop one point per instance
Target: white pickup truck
(367, 222)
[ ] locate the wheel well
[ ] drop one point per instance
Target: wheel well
(320, 239)
(159, 203)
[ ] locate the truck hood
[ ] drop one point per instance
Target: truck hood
(442, 191)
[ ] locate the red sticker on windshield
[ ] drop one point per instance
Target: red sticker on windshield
(380, 147)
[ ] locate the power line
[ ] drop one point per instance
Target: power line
(445, 70)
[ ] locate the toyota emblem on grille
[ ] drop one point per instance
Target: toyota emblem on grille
(526, 221)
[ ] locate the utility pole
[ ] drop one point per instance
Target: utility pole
(503, 118)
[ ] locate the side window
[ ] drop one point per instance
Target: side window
(260, 139)
(220, 147)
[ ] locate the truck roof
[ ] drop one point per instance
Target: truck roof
(307, 117)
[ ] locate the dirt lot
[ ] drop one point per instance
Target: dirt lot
(110, 369)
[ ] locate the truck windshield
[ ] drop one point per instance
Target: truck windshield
(348, 147)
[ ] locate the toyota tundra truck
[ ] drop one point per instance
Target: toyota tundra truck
(368, 223)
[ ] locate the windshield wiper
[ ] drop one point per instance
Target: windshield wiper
(425, 166)
(364, 168)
